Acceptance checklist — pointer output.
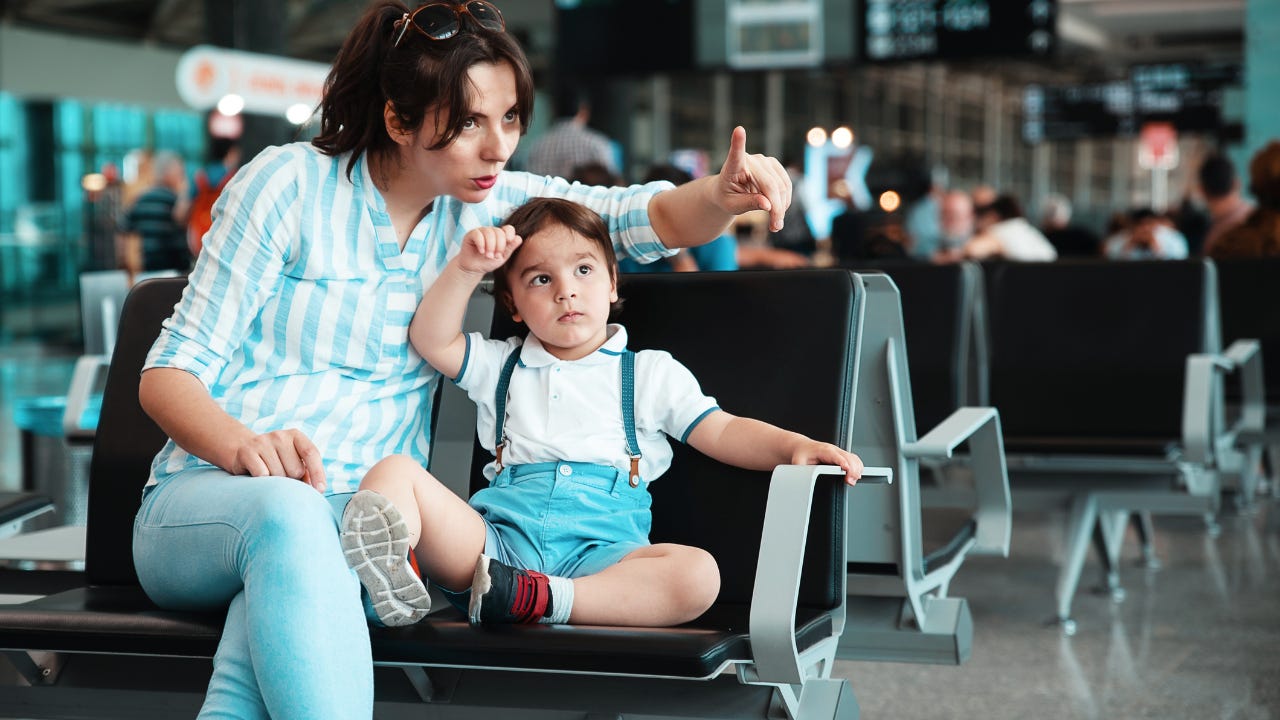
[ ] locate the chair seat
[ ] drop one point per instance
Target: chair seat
(123, 620)
(17, 505)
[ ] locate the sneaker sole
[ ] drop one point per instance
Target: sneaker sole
(480, 586)
(375, 542)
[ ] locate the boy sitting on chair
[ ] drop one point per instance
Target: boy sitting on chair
(578, 425)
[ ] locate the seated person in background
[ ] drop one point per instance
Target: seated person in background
(1148, 237)
(795, 235)
(1003, 232)
(861, 235)
(1069, 240)
(955, 220)
(719, 254)
(595, 173)
(1221, 190)
(552, 409)
(1259, 234)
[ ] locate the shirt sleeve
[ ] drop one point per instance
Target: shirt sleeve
(672, 399)
(478, 377)
(625, 209)
(238, 269)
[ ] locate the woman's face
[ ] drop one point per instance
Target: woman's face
(468, 167)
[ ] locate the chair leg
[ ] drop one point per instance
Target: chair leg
(1145, 526)
(1084, 515)
(1111, 528)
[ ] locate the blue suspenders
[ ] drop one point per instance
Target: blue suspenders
(628, 363)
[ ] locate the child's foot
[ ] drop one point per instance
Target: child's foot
(504, 594)
(375, 541)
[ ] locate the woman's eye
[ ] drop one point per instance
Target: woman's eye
(511, 116)
(540, 280)
(468, 123)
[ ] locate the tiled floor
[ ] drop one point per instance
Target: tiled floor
(1197, 638)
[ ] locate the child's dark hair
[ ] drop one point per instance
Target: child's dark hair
(537, 214)
(416, 76)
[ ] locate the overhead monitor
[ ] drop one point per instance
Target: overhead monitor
(623, 37)
(899, 30)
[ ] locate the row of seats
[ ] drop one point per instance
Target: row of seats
(1109, 382)
(795, 547)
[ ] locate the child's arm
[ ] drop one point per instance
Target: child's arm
(436, 330)
(757, 445)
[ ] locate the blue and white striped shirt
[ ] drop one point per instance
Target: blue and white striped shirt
(297, 314)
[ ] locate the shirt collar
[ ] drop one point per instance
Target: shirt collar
(534, 355)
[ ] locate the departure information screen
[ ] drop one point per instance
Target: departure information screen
(1187, 95)
(899, 30)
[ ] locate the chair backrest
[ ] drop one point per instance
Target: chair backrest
(1097, 349)
(776, 346)
(884, 421)
(939, 303)
(127, 439)
(102, 296)
(1246, 289)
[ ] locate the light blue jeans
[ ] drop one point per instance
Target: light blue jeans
(296, 641)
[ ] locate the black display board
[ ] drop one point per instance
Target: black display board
(899, 30)
(1188, 95)
(623, 37)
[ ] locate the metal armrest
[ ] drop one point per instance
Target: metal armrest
(1201, 407)
(89, 370)
(981, 426)
(1245, 357)
(774, 597)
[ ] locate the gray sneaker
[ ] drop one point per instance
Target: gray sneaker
(375, 541)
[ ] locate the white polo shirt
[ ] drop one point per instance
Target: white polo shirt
(572, 409)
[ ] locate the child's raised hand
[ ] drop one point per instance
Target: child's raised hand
(812, 452)
(485, 249)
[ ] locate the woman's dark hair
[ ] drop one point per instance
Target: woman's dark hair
(536, 215)
(416, 76)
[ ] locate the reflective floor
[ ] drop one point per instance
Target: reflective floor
(1197, 638)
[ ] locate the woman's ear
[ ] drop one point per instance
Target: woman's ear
(400, 135)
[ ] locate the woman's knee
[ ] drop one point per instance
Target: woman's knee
(285, 511)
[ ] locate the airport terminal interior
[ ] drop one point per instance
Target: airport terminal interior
(1062, 220)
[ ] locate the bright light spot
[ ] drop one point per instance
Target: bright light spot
(298, 113)
(231, 104)
(816, 137)
(889, 201)
(842, 137)
(94, 182)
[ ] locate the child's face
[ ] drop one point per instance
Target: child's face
(562, 287)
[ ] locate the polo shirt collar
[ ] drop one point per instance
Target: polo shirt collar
(535, 355)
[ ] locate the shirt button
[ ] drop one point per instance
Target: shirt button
(555, 397)
(565, 470)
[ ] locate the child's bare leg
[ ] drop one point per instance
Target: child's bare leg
(659, 585)
(447, 535)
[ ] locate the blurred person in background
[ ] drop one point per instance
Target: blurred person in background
(1003, 232)
(1149, 236)
(1259, 234)
(956, 223)
(795, 234)
(1221, 190)
(1069, 240)
(569, 142)
(159, 217)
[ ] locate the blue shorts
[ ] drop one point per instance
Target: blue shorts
(562, 518)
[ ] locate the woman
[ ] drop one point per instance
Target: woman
(284, 373)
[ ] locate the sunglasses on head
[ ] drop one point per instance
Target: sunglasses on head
(442, 20)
